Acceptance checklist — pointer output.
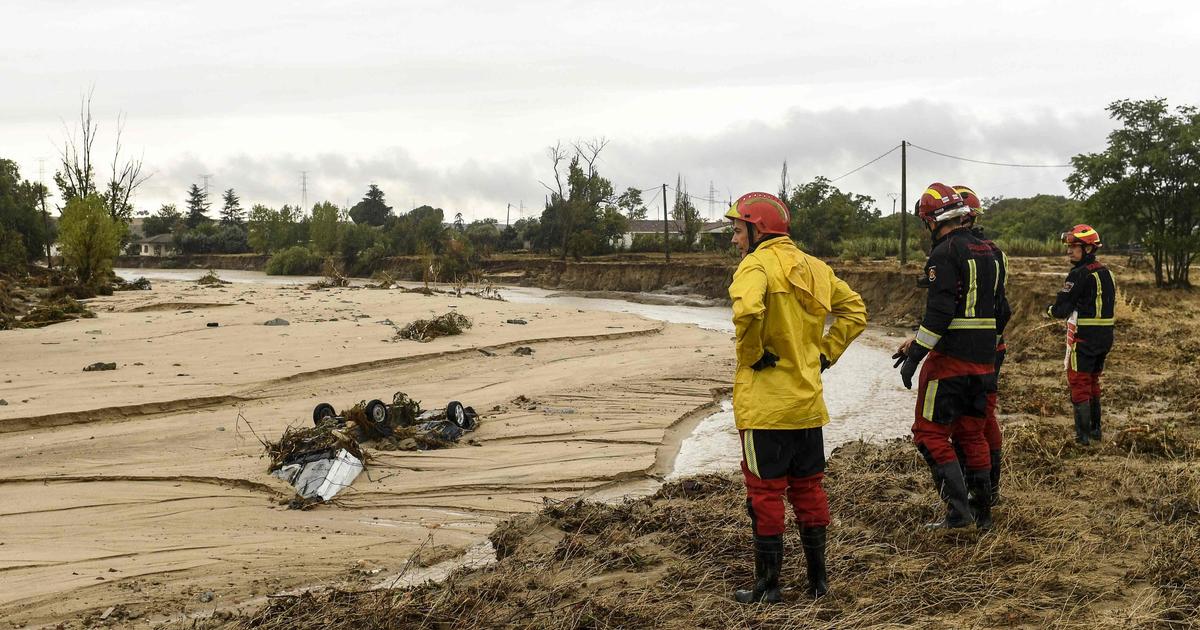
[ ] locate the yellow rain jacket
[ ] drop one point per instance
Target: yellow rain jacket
(781, 297)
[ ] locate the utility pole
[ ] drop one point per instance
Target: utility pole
(712, 196)
(666, 230)
(206, 177)
(303, 190)
(903, 202)
(45, 214)
(507, 215)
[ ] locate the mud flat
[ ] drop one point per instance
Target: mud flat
(141, 489)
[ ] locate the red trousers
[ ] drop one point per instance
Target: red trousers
(779, 462)
(1084, 385)
(952, 405)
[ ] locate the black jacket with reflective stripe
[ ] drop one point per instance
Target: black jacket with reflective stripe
(1003, 310)
(965, 291)
(1090, 294)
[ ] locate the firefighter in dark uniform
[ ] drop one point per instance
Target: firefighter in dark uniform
(1087, 301)
(991, 428)
(958, 335)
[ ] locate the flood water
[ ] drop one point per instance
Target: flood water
(863, 391)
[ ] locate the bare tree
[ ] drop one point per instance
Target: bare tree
(76, 176)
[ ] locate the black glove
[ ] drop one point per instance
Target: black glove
(908, 370)
(765, 361)
(825, 363)
(899, 357)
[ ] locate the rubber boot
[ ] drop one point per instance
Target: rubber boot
(995, 477)
(980, 483)
(768, 561)
(953, 489)
(1095, 433)
(814, 556)
(1083, 422)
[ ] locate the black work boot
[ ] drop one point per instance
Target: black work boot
(814, 556)
(768, 561)
(953, 489)
(1083, 422)
(980, 483)
(995, 477)
(1095, 433)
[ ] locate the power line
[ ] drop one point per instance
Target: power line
(885, 154)
(963, 159)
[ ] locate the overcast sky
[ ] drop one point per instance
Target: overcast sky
(454, 103)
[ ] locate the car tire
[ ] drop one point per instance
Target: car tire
(456, 413)
(377, 413)
(323, 411)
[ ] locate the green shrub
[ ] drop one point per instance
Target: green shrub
(296, 260)
(1021, 246)
(878, 248)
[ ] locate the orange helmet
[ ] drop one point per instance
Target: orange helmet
(1082, 234)
(940, 203)
(763, 210)
(971, 199)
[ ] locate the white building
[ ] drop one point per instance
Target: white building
(158, 246)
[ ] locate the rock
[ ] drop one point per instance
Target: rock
(94, 332)
(206, 596)
(100, 367)
(212, 324)
(277, 322)
(485, 352)
(523, 351)
(386, 322)
(516, 321)
(220, 428)
(3, 403)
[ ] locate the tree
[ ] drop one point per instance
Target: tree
(685, 214)
(371, 210)
(162, 222)
(197, 205)
(574, 211)
(1148, 178)
(231, 211)
(19, 212)
(459, 224)
(630, 202)
(419, 230)
(76, 176)
(822, 216)
(484, 235)
(1039, 217)
(90, 238)
(324, 227)
(273, 230)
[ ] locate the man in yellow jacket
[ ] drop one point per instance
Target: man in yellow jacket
(781, 298)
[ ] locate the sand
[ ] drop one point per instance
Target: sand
(141, 488)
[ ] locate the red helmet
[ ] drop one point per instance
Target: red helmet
(1082, 234)
(971, 199)
(763, 210)
(940, 203)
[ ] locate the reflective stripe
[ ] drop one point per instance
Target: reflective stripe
(972, 288)
(1005, 257)
(930, 396)
(973, 323)
(748, 450)
(996, 284)
(1096, 321)
(1074, 360)
(927, 338)
(1099, 295)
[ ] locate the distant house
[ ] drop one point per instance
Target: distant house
(159, 246)
(655, 227)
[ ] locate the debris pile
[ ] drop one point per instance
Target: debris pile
(211, 278)
(425, 330)
(140, 284)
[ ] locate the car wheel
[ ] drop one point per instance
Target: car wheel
(456, 413)
(323, 411)
(377, 412)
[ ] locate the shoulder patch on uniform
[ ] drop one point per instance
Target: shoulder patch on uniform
(932, 272)
(1067, 286)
